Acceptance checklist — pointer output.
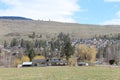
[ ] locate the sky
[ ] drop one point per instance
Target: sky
(102, 12)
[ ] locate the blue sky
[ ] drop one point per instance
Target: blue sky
(97, 11)
(78, 11)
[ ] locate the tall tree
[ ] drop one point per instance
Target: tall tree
(14, 42)
(22, 44)
(33, 35)
(68, 49)
(31, 54)
(5, 44)
(82, 52)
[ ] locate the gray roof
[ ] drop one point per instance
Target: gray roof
(39, 60)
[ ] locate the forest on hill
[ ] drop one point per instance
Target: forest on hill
(49, 29)
(26, 40)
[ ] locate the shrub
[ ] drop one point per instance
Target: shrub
(17, 61)
(38, 57)
(25, 59)
(70, 61)
(111, 62)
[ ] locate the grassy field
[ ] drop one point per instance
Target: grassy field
(60, 73)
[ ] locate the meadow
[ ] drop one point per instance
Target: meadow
(60, 73)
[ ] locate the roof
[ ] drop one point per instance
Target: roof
(27, 63)
(39, 60)
(63, 61)
(81, 62)
(58, 61)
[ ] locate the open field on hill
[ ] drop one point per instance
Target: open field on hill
(22, 28)
(60, 73)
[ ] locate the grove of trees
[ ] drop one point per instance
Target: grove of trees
(62, 48)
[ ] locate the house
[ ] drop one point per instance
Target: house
(39, 62)
(57, 62)
(44, 62)
(63, 62)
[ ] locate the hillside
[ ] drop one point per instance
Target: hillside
(22, 28)
(14, 18)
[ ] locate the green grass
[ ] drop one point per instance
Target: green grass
(60, 73)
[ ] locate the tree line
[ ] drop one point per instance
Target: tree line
(61, 47)
(57, 46)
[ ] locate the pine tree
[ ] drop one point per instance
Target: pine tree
(68, 49)
(33, 35)
(22, 44)
(31, 54)
(5, 44)
(14, 42)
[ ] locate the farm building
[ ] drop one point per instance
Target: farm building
(57, 62)
(39, 62)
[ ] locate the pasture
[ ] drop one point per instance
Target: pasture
(60, 73)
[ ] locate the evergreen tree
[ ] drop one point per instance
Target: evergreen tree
(33, 35)
(14, 42)
(5, 44)
(52, 46)
(36, 45)
(68, 49)
(31, 54)
(22, 43)
(29, 45)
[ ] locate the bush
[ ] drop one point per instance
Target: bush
(70, 61)
(111, 62)
(38, 57)
(25, 59)
(17, 61)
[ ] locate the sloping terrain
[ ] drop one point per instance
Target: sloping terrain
(14, 18)
(22, 28)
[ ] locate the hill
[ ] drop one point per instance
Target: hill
(22, 28)
(14, 18)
